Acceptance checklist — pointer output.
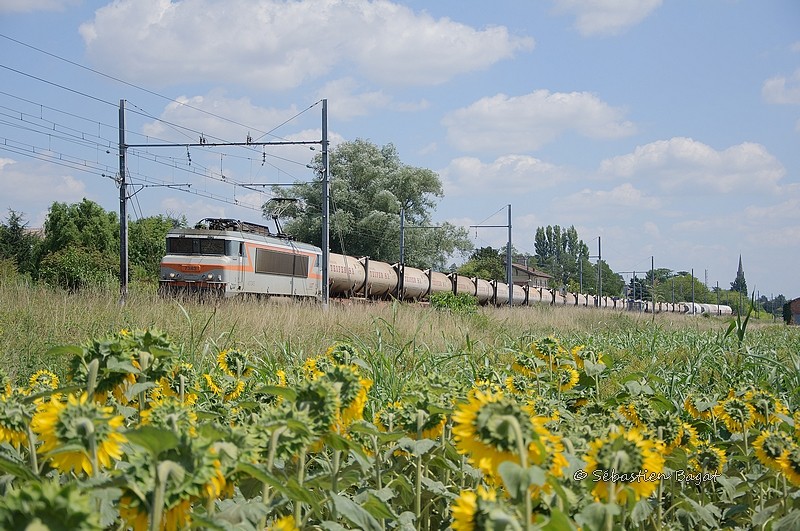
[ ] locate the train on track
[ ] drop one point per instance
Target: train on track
(232, 258)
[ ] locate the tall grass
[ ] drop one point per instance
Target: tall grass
(403, 338)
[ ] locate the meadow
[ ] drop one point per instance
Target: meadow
(165, 414)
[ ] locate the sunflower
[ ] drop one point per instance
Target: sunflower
(82, 424)
(770, 447)
(14, 416)
(42, 380)
(171, 414)
(483, 429)
(225, 387)
(790, 464)
(234, 363)
(473, 510)
(667, 427)
(689, 437)
(626, 459)
(737, 415)
(765, 406)
(342, 353)
(548, 349)
(698, 409)
(285, 523)
(527, 364)
(385, 418)
(352, 392)
(566, 376)
(519, 384)
(176, 384)
(707, 458)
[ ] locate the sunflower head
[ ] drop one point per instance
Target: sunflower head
(770, 446)
(53, 505)
(790, 464)
(481, 509)
(626, 453)
(737, 414)
(42, 380)
(667, 427)
(342, 353)
(706, 457)
(234, 363)
(81, 424)
(172, 415)
(766, 406)
(15, 414)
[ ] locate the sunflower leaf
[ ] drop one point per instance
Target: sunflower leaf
(153, 439)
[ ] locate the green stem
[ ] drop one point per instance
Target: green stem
(34, 458)
(301, 474)
(523, 462)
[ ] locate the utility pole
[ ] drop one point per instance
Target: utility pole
(326, 190)
(653, 283)
(509, 269)
(123, 209)
(402, 236)
(693, 310)
(508, 256)
(123, 198)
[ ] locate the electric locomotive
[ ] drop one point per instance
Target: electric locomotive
(228, 257)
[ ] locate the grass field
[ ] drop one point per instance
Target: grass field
(391, 416)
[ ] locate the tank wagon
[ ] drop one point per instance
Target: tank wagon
(229, 258)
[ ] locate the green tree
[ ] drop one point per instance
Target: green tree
(369, 187)
(486, 263)
(147, 239)
(85, 224)
(559, 251)
(18, 244)
(80, 246)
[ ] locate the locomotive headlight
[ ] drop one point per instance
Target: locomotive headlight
(172, 275)
(210, 276)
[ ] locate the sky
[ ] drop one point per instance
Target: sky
(666, 130)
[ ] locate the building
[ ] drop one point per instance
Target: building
(791, 312)
(522, 275)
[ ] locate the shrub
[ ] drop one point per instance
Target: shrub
(461, 303)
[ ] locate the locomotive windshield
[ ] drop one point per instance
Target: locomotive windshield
(202, 246)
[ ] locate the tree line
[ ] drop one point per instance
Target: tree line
(79, 246)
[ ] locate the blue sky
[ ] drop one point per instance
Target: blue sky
(669, 129)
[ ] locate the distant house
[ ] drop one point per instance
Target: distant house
(791, 312)
(522, 275)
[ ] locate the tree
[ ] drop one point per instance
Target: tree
(486, 263)
(85, 224)
(739, 284)
(369, 187)
(147, 244)
(558, 252)
(80, 246)
(18, 244)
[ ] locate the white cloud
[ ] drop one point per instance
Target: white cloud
(618, 202)
(202, 114)
(352, 102)
(524, 123)
(606, 17)
(279, 45)
(681, 165)
(29, 6)
(514, 173)
(782, 90)
(24, 186)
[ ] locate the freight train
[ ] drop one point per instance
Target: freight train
(232, 258)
